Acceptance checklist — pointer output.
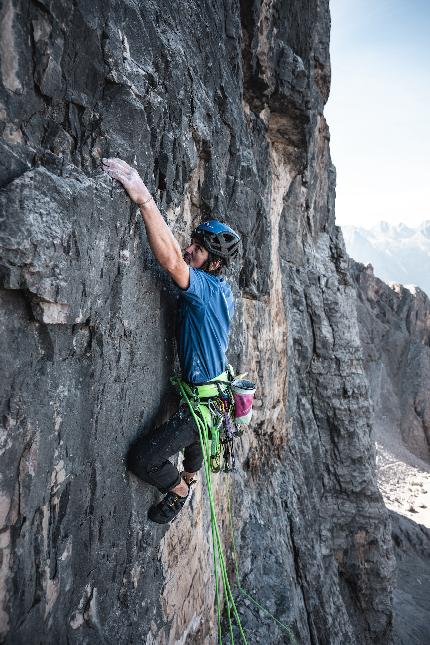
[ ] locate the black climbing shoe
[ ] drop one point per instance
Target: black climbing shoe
(169, 507)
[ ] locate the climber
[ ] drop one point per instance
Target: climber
(205, 311)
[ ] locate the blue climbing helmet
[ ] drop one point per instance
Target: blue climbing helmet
(218, 238)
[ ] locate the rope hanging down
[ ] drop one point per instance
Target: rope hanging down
(220, 568)
(243, 591)
(219, 561)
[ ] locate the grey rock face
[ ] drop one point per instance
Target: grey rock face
(395, 333)
(394, 324)
(411, 597)
(220, 106)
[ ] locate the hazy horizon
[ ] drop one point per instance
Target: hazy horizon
(369, 226)
(397, 253)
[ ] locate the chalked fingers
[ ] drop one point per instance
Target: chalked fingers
(128, 177)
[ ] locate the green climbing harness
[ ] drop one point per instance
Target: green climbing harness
(213, 404)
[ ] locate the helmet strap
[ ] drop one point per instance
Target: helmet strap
(209, 261)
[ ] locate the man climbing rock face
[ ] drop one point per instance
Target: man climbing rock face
(205, 311)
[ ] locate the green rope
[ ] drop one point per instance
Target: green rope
(218, 543)
(220, 568)
(217, 592)
(236, 568)
(216, 537)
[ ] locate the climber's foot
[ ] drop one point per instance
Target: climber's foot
(169, 507)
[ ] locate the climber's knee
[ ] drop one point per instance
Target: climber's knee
(136, 461)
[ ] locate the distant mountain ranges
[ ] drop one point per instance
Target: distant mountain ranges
(398, 253)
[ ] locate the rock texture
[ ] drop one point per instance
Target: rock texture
(411, 597)
(395, 332)
(220, 106)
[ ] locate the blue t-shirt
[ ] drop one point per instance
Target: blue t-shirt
(205, 312)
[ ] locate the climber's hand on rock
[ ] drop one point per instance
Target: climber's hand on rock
(129, 178)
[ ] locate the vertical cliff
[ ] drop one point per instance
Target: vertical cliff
(220, 107)
(395, 333)
(394, 324)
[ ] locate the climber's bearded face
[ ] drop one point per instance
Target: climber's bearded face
(195, 255)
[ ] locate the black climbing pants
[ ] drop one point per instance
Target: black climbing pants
(148, 455)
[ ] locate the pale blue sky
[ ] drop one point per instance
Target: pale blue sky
(379, 110)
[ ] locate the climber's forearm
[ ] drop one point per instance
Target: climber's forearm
(163, 245)
(160, 238)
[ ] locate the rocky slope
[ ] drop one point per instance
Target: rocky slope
(220, 106)
(404, 481)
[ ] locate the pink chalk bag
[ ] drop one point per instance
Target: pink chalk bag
(243, 394)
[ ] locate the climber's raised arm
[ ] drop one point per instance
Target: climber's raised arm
(163, 245)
